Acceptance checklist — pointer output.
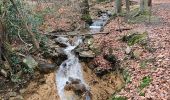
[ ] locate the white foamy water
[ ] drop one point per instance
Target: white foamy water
(99, 23)
(69, 68)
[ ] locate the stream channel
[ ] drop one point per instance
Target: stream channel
(71, 68)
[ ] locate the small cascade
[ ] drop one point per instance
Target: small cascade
(99, 23)
(69, 68)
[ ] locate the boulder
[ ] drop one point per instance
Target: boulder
(74, 80)
(128, 50)
(62, 41)
(4, 73)
(47, 68)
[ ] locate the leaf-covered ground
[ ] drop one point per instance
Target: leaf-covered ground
(150, 70)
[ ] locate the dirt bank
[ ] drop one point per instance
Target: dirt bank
(101, 88)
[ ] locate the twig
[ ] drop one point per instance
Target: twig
(123, 29)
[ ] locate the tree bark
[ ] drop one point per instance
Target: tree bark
(142, 6)
(118, 5)
(127, 6)
(150, 9)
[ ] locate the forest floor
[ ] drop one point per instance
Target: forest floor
(148, 75)
(158, 70)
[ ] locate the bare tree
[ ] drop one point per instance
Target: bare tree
(25, 25)
(142, 6)
(118, 5)
(150, 8)
(127, 6)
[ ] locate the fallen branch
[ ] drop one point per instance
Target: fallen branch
(75, 34)
(123, 29)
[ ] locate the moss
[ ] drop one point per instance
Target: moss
(126, 76)
(143, 64)
(134, 38)
(119, 98)
(87, 18)
(145, 82)
(101, 0)
(142, 94)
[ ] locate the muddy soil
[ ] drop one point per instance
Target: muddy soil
(101, 88)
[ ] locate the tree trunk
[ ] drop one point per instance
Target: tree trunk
(127, 6)
(150, 9)
(85, 11)
(142, 6)
(118, 5)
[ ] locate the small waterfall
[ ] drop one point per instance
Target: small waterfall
(99, 23)
(69, 68)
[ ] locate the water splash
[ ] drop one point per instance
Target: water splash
(69, 68)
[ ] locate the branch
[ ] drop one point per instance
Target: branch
(69, 34)
(35, 42)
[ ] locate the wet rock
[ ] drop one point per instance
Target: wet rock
(62, 41)
(79, 88)
(75, 85)
(74, 80)
(46, 68)
(87, 95)
(59, 59)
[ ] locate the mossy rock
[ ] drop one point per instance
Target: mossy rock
(111, 58)
(135, 38)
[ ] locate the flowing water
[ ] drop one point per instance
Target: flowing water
(69, 68)
(99, 23)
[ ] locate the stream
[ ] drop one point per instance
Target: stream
(71, 67)
(99, 23)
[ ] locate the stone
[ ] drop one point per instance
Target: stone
(47, 68)
(4, 73)
(79, 87)
(6, 65)
(18, 97)
(74, 80)
(62, 41)
(12, 94)
(30, 62)
(128, 50)
(86, 54)
(22, 91)
(89, 40)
